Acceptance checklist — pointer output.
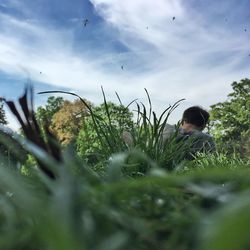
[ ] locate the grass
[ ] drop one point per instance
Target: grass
(142, 201)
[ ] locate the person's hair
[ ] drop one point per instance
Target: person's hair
(196, 116)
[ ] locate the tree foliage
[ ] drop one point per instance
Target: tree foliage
(45, 114)
(3, 120)
(230, 120)
(68, 120)
(104, 131)
(3, 150)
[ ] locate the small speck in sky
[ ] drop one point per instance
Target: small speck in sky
(85, 22)
(173, 18)
(122, 67)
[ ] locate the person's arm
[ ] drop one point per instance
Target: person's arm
(168, 131)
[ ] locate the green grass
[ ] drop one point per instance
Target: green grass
(140, 201)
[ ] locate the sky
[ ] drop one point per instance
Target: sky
(175, 49)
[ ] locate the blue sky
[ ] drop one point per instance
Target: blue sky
(196, 56)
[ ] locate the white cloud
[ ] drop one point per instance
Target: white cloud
(189, 57)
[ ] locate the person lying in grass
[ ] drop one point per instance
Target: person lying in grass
(193, 122)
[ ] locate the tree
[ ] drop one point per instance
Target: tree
(230, 120)
(68, 120)
(9, 157)
(3, 149)
(3, 120)
(99, 136)
(44, 114)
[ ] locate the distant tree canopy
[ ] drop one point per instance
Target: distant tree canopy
(111, 118)
(71, 120)
(3, 120)
(7, 157)
(230, 120)
(45, 114)
(68, 120)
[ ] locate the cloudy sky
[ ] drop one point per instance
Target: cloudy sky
(192, 49)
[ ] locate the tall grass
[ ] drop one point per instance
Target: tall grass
(144, 135)
(80, 209)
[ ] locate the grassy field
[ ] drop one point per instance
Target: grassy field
(136, 198)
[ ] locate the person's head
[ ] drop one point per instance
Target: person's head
(196, 116)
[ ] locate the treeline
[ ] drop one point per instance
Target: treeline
(72, 123)
(230, 121)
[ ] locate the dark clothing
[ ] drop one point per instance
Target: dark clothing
(195, 141)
